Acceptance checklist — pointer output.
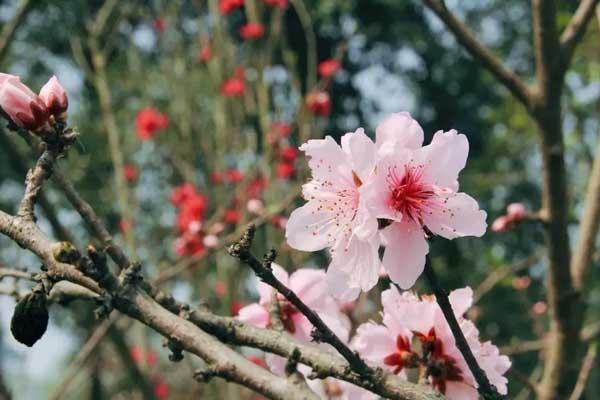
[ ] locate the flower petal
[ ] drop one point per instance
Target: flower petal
(456, 215)
(404, 257)
(361, 152)
(328, 162)
(338, 284)
(254, 314)
(374, 342)
(310, 228)
(444, 158)
(309, 285)
(461, 300)
(398, 130)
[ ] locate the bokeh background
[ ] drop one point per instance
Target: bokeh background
(168, 93)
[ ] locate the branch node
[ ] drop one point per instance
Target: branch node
(292, 362)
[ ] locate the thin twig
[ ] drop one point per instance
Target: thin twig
(586, 367)
(241, 250)
(480, 52)
(485, 388)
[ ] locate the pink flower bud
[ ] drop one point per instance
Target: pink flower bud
(516, 211)
(501, 224)
(255, 206)
(539, 308)
(521, 282)
(217, 228)
(54, 96)
(211, 241)
(25, 108)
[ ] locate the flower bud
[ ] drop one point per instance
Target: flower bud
(516, 211)
(54, 96)
(25, 108)
(30, 319)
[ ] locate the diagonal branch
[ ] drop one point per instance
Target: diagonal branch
(9, 29)
(484, 387)
(588, 231)
(481, 53)
(576, 28)
(241, 250)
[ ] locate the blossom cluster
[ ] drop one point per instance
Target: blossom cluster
(29, 110)
(393, 192)
(414, 336)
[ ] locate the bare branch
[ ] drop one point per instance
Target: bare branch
(35, 179)
(481, 53)
(241, 250)
(588, 231)
(484, 387)
(9, 29)
(576, 28)
(584, 373)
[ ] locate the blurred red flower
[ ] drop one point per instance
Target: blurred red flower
(252, 31)
(289, 154)
(285, 170)
(319, 103)
(234, 176)
(148, 121)
(329, 67)
(159, 24)
(130, 173)
(205, 53)
(189, 244)
(227, 6)
(281, 129)
(182, 193)
(232, 217)
(276, 3)
(235, 86)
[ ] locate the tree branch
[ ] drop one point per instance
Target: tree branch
(241, 250)
(588, 230)
(484, 387)
(9, 29)
(576, 28)
(481, 53)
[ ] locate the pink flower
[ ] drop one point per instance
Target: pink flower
(252, 31)
(54, 96)
(415, 190)
(255, 206)
(407, 319)
(332, 217)
(516, 211)
(25, 108)
(148, 122)
(539, 308)
(329, 67)
(309, 285)
(280, 129)
(210, 241)
(501, 224)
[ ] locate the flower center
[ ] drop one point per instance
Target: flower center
(409, 194)
(441, 368)
(403, 357)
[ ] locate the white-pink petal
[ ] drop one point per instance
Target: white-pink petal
(456, 215)
(404, 257)
(397, 131)
(444, 158)
(254, 314)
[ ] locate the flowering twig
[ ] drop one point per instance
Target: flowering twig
(485, 388)
(241, 250)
